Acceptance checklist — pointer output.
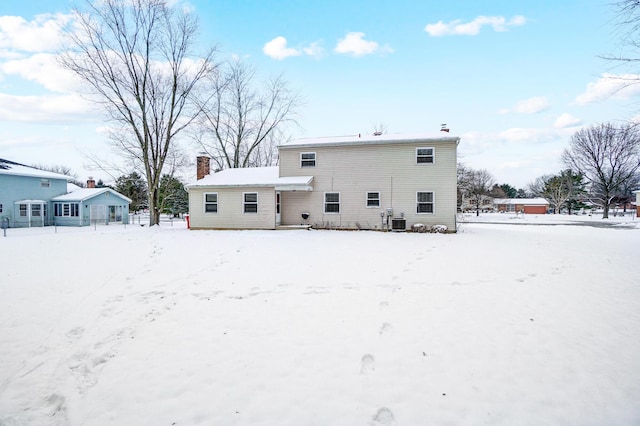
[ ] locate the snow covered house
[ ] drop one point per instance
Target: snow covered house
(33, 197)
(351, 182)
(637, 202)
(86, 206)
(521, 205)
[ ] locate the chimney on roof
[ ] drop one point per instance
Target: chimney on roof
(444, 128)
(91, 183)
(202, 165)
(377, 133)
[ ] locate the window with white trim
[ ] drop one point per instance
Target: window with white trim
(45, 183)
(307, 159)
(373, 199)
(250, 202)
(36, 210)
(23, 210)
(211, 202)
(424, 202)
(332, 202)
(0, 208)
(425, 155)
(65, 210)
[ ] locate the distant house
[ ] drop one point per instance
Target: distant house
(86, 206)
(32, 197)
(521, 205)
(637, 202)
(353, 182)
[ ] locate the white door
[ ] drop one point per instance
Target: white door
(98, 214)
(278, 215)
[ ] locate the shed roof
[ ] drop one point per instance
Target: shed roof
(16, 169)
(87, 193)
(253, 177)
(360, 139)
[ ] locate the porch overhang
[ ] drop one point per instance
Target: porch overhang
(294, 183)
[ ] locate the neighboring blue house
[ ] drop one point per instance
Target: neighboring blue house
(90, 205)
(32, 197)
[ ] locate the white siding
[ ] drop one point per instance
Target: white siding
(390, 169)
(230, 209)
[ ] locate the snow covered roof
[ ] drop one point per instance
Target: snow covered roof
(361, 139)
(254, 177)
(16, 169)
(87, 193)
(523, 201)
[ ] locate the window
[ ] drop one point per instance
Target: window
(424, 202)
(332, 202)
(65, 209)
(36, 210)
(211, 202)
(250, 202)
(307, 159)
(23, 210)
(45, 183)
(425, 155)
(0, 208)
(373, 199)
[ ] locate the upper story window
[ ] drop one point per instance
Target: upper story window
(250, 201)
(425, 155)
(211, 202)
(307, 159)
(45, 183)
(332, 202)
(0, 208)
(373, 199)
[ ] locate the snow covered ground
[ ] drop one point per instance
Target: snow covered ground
(497, 324)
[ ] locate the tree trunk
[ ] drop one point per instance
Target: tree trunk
(605, 212)
(154, 211)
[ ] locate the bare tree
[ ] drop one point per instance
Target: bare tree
(607, 157)
(137, 59)
(475, 184)
(242, 125)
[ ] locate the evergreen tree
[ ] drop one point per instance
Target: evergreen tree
(173, 197)
(134, 187)
(509, 190)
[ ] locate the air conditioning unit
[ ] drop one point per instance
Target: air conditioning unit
(398, 224)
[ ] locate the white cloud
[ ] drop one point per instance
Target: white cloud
(314, 49)
(44, 69)
(532, 105)
(277, 49)
(42, 34)
(457, 27)
(566, 120)
(45, 109)
(622, 86)
(355, 44)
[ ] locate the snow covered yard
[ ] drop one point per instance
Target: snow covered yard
(498, 324)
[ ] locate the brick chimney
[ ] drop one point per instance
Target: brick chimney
(202, 166)
(91, 183)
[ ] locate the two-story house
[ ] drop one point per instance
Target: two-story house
(352, 182)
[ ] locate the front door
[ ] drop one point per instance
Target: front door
(278, 216)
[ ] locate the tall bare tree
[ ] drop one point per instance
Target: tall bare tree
(243, 123)
(474, 185)
(137, 59)
(607, 156)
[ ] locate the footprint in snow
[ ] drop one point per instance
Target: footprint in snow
(367, 364)
(384, 416)
(385, 329)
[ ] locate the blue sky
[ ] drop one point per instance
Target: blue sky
(513, 79)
